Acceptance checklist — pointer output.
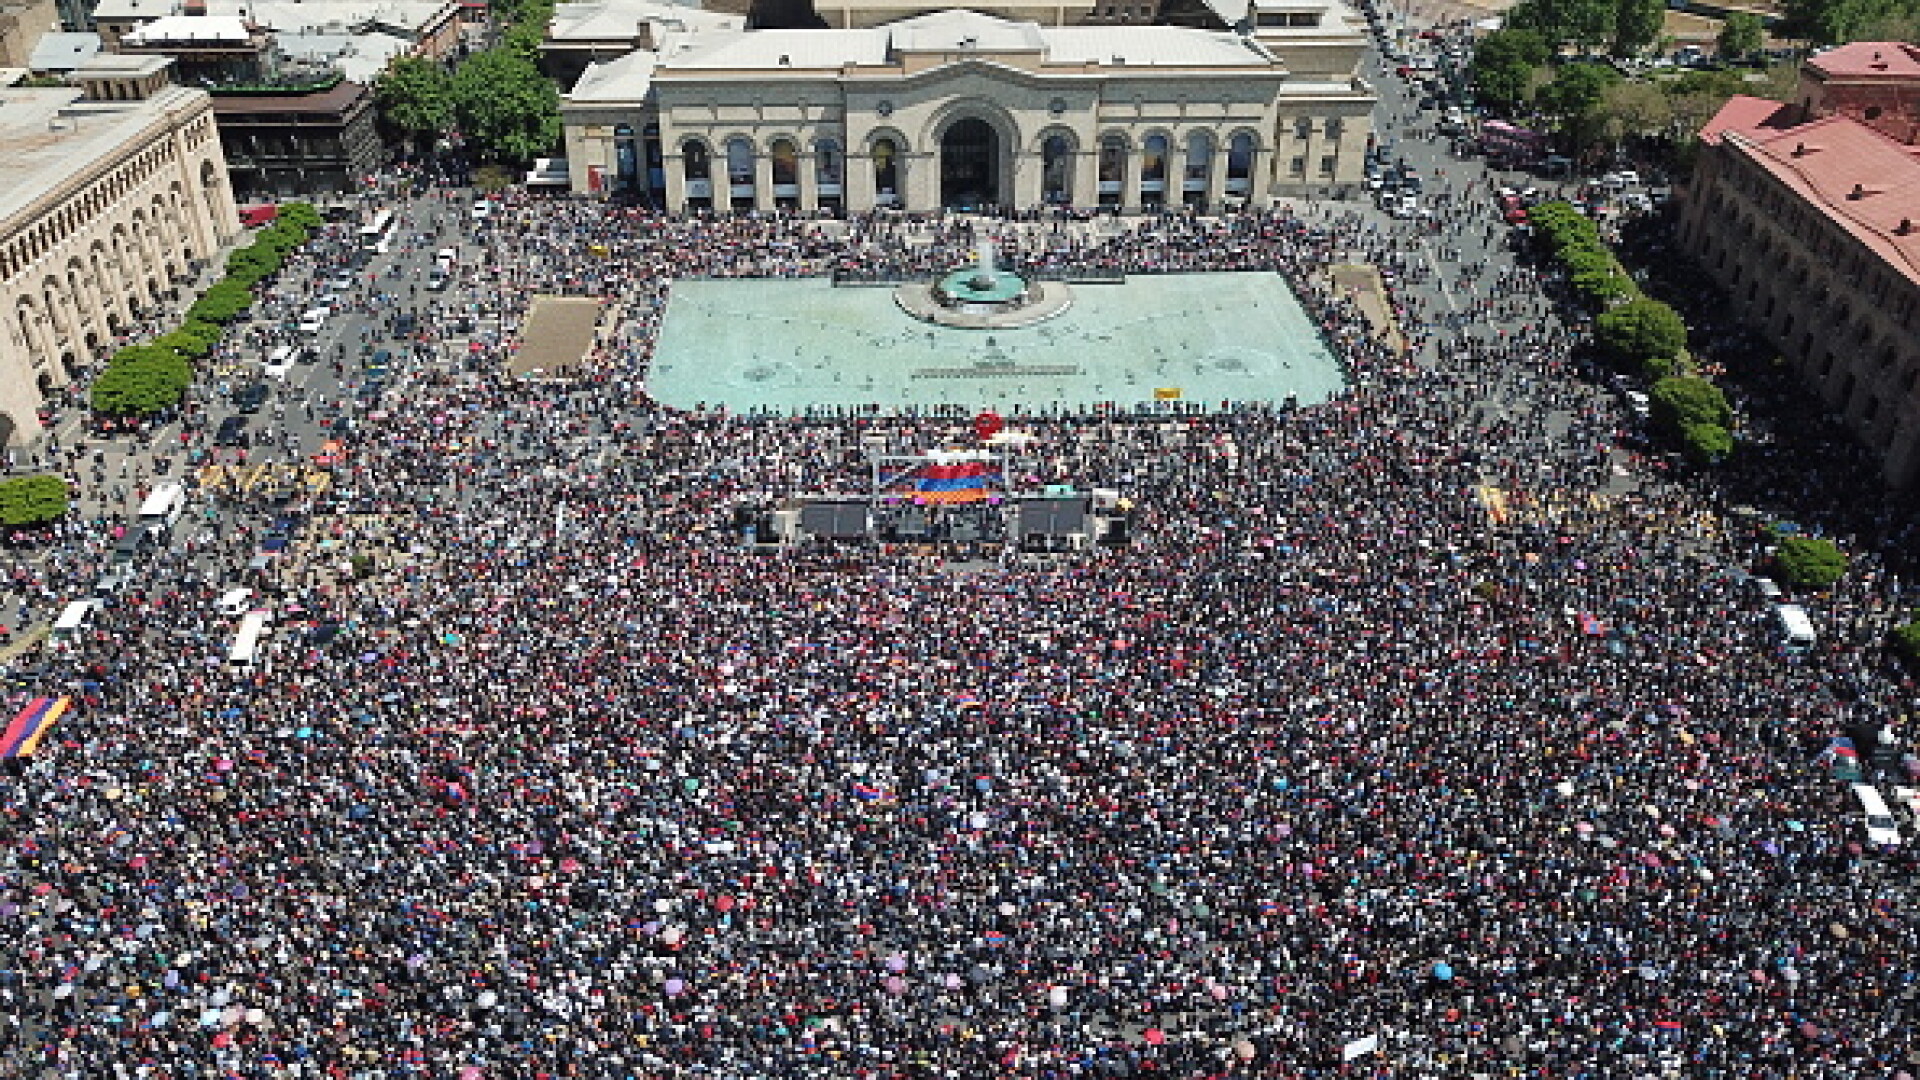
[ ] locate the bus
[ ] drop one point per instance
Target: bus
(246, 643)
(1512, 143)
(377, 235)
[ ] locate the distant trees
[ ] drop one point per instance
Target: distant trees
(415, 96)
(1741, 35)
(504, 104)
(497, 99)
(1503, 66)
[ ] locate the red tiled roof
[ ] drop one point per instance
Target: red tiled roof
(1749, 116)
(1853, 175)
(1869, 60)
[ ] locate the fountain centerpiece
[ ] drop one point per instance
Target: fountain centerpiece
(982, 296)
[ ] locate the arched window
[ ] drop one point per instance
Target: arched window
(740, 169)
(1240, 164)
(697, 164)
(786, 168)
(1113, 168)
(1199, 162)
(1056, 171)
(886, 172)
(1153, 167)
(828, 166)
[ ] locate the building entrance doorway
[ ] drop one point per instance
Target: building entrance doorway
(970, 166)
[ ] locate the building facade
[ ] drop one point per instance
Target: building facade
(1812, 226)
(109, 194)
(957, 109)
(296, 142)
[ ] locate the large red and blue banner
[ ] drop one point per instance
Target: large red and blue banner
(23, 735)
(945, 482)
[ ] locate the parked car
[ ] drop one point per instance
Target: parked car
(250, 398)
(233, 432)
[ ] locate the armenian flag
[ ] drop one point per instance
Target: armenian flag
(23, 735)
(959, 482)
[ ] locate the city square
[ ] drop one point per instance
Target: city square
(541, 644)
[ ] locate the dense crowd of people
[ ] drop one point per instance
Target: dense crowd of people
(1399, 732)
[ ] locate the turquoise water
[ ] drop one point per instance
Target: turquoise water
(788, 344)
(965, 283)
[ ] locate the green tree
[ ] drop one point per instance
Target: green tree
(1706, 444)
(223, 301)
(1631, 108)
(302, 214)
(1906, 639)
(1810, 562)
(1683, 400)
(1503, 66)
(416, 98)
(1740, 36)
(33, 500)
(1586, 23)
(1636, 25)
(505, 105)
(1640, 329)
(1574, 96)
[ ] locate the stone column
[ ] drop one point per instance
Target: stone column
(1136, 161)
(676, 169)
(1029, 170)
(856, 187)
(1217, 178)
(1086, 178)
(762, 181)
(721, 184)
(809, 165)
(919, 181)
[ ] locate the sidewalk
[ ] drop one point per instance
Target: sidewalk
(1361, 282)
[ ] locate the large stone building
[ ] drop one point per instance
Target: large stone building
(964, 109)
(1808, 215)
(110, 191)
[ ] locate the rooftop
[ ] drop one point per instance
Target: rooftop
(1749, 116)
(334, 99)
(623, 80)
(1850, 173)
(619, 20)
(1869, 60)
(957, 32)
(61, 52)
(360, 57)
(192, 29)
(51, 135)
(285, 16)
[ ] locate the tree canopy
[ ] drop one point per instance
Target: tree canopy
(415, 96)
(1503, 66)
(1810, 562)
(505, 105)
(1636, 25)
(1639, 330)
(32, 500)
(1741, 35)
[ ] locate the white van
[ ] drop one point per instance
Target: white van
(162, 508)
(1879, 822)
(246, 643)
(1794, 627)
(1909, 799)
(314, 321)
(72, 622)
(444, 259)
(279, 362)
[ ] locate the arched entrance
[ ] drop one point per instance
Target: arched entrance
(970, 165)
